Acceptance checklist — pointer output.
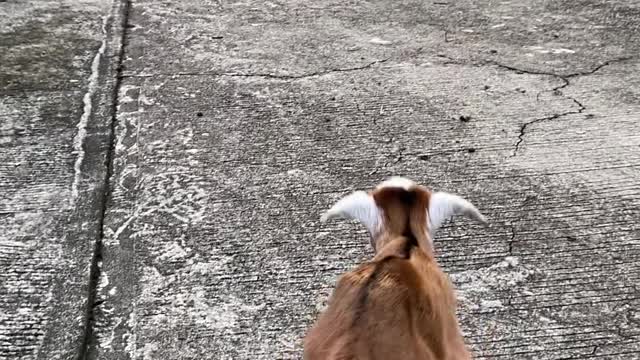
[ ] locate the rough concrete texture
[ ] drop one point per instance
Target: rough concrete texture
(56, 89)
(238, 123)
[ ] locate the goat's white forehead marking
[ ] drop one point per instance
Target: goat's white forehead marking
(397, 182)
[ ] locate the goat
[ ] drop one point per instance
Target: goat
(399, 305)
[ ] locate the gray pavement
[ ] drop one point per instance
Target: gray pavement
(57, 78)
(163, 166)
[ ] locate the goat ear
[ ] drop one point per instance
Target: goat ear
(358, 206)
(444, 205)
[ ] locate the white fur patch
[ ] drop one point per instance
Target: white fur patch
(397, 182)
(444, 205)
(358, 206)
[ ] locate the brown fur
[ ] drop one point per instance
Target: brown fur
(400, 305)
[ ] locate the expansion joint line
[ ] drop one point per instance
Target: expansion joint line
(115, 24)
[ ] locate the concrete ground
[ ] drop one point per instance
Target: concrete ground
(163, 166)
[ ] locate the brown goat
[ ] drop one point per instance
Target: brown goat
(400, 305)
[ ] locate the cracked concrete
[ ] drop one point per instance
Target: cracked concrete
(555, 90)
(217, 132)
(264, 75)
(56, 84)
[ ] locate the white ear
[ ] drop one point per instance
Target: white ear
(444, 205)
(359, 206)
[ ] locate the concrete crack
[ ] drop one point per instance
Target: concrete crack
(116, 33)
(565, 80)
(446, 36)
(451, 60)
(556, 90)
(524, 126)
(510, 242)
(429, 156)
(264, 75)
(399, 155)
(564, 77)
(598, 67)
(521, 71)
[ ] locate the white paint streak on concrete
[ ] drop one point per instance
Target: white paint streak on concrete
(187, 205)
(130, 348)
(378, 41)
(473, 286)
(124, 225)
(124, 98)
(107, 343)
(490, 304)
(555, 51)
(147, 351)
(501, 273)
(10, 245)
(104, 279)
(210, 267)
(172, 252)
(198, 306)
(79, 140)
